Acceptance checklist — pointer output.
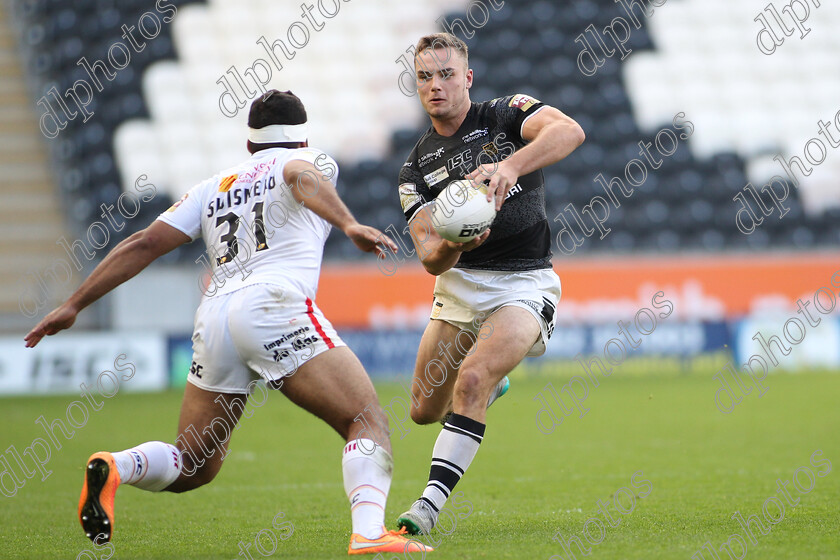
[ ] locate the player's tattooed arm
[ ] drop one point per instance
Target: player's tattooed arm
(552, 136)
(125, 261)
(436, 253)
(315, 191)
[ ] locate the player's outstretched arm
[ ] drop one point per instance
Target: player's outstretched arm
(316, 192)
(552, 136)
(123, 262)
(436, 253)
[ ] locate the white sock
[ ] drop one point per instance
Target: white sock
(151, 466)
(367, 479)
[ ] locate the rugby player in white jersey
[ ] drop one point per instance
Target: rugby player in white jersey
(264, 223)
(495, 297)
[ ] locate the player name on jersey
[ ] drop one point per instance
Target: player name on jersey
(230, 195)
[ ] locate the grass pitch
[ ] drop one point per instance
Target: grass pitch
(523, 487)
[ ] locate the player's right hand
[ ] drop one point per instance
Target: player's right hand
(470, 245)
(369, 239)
(58, 319)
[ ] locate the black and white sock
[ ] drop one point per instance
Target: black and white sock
(454, 450)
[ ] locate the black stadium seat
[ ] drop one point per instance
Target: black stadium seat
(525, 47)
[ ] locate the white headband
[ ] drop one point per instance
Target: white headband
(274, 133)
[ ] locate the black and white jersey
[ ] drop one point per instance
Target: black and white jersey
(520, 238)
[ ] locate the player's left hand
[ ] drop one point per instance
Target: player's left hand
(369, 239)
(58, 319)
(501, 178)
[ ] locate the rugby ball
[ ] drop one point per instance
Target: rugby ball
(461, 211)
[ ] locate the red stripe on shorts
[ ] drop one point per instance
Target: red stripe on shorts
(311, 312)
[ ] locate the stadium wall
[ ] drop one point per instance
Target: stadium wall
(768, 311)
(705, 287)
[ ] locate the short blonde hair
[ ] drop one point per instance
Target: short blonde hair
(443, 41)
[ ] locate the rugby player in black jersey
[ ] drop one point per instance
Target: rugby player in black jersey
(495, 296)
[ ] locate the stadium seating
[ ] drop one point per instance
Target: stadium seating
(30, 212)
(528, 47)
(57, 35)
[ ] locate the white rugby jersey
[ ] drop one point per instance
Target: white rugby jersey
(254, 229)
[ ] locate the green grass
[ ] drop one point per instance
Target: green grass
(524, 486)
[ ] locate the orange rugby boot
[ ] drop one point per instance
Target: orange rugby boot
(96, 504)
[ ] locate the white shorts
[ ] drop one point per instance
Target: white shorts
(464, 298)
(261, 330)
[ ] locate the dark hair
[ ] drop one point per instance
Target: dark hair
(275, 107)
(443, 41)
